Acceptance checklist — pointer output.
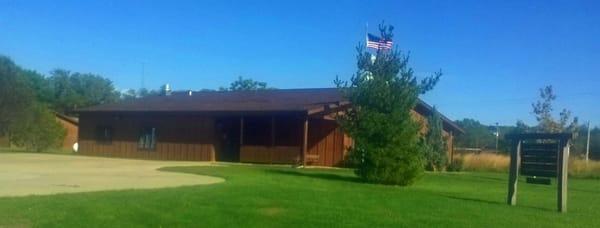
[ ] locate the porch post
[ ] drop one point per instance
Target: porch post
(272, 139)
(272, 131)
(305, 141)
(241, 131)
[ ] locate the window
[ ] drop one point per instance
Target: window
(147, 140)
(104, 134)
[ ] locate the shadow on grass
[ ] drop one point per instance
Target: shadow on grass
(491, 202)
(323, 176)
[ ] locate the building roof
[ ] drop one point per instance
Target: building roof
(275, 100)
(70, 119)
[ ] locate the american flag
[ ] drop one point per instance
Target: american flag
(378, 43)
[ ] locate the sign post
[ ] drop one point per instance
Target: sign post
(539, 156)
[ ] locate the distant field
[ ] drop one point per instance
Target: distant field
(268, 196)
(496, 162)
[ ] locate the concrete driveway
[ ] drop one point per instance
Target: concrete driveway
(40, 174)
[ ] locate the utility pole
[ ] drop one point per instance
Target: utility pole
(497, 135)
(587, 149)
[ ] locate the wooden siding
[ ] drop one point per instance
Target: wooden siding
(270, 154)
(327, 142)
(71, 133)
(178, 137)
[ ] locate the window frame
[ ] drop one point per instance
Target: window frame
(142, 142)
(106, 137)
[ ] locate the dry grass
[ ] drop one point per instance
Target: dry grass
(484, 162)
(581, 168)
(499, 163)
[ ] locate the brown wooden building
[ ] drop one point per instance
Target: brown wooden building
(271, 126)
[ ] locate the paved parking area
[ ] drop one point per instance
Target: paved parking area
(24, 174)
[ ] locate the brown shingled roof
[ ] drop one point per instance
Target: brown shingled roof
(276, 100)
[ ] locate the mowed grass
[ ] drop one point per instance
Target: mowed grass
(268, 196)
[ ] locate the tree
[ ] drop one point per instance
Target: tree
(435, 148)
(476, 135)
(542, 110)
(77, 90)
(242, 84)
(386, 137)
(38, 130)
(15, 94)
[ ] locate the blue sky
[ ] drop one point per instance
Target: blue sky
(495, 54)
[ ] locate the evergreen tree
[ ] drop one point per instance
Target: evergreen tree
(435, 148)
(386, 137)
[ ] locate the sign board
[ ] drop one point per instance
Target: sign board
(539, 156)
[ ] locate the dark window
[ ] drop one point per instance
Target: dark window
(257, 131)
(147, 140)
(104, 134)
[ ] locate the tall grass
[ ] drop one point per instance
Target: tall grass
(484, 162)
(493, 162)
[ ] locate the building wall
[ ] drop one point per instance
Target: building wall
(72, 131)
(327, 142)
(179, 137)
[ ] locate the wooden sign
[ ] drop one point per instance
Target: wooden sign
(539, 156)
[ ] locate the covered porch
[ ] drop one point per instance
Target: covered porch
(281, 139)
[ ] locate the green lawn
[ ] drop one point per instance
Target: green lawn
(259, 196)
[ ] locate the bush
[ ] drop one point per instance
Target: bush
(38, 130)
(456, 165)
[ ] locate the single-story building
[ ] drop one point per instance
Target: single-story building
(269, 126)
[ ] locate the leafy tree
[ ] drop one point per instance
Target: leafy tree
(386, 137)
(38, 130)
(542, 110)
(242, 84)
(15, 94)
(435, 148)
(476, 135)
(76, 90)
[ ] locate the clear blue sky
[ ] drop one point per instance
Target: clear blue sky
(495, 55)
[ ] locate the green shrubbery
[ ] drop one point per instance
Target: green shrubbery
(38, 130)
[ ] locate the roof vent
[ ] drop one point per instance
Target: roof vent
(189, 93)
(166, 89)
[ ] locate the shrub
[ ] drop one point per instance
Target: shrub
(38, 130)
(456, 165)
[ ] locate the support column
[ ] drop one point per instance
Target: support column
(271, 150)
(563, 158)
(305, 141)
(272, 131)
(515, 162)
(241, 131)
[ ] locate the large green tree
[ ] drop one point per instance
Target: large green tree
(15, 94)
(383, 92)
(30, 123)
(76, 90)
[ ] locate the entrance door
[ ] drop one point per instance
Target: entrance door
(228, 133)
